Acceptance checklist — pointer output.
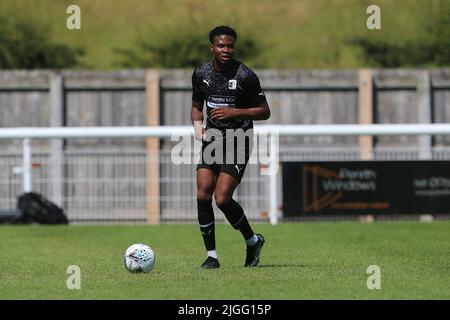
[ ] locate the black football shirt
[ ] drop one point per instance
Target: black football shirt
(237, 87)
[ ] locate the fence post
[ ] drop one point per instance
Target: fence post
(57, 145)
(424, 109)
(152, 98)
(26, 168)
(273, 177)
(365, 111)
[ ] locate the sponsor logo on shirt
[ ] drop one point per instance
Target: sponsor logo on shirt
(221, 102)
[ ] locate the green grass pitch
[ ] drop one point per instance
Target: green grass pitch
(299, 261)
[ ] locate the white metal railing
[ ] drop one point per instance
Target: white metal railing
(168, 131)
(28, 133)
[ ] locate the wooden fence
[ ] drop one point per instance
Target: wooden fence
(45, 98)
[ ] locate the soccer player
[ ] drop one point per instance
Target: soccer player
(233, 98)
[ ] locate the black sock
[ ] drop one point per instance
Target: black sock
(206, 221)
(236, 217)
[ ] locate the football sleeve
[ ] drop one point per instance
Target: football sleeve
(253, 89)
(196, 93)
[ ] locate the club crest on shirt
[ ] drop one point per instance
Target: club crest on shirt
(232, 84)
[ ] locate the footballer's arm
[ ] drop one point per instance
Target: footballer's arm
(260, 112)
(197, 119)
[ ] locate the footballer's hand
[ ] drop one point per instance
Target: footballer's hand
(200, 134)
(223, 113)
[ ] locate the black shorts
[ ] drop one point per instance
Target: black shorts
(232, 160)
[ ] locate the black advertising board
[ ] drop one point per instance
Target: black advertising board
(366, 187)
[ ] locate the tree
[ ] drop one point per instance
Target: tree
(24, 44)
(433, 50)
(180, 48)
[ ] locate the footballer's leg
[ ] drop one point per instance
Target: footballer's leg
(206, 179)
(225, 186)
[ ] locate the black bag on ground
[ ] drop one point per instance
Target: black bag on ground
(36, 208)
(10, 216)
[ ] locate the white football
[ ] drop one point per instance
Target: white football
(139, 258)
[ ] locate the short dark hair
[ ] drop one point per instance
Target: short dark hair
(217, 31)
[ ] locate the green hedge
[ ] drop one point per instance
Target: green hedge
(24, 44)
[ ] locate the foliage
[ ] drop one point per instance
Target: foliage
(176, 49)
(24, 44)
(432, 50)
